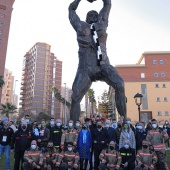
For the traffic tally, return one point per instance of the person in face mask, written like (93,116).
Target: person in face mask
(6,134)
(78,126)
(69,158)
(51,124)
(140,135)
(128,156)
(110,158)
(118,131)
(114,124)
(111,131)
(145,158)
(33,159)
(128,121)
(44,136)
(51,156)
(157,138)
(21,140)
(27,120)
(127,134)
(56,133)
(69,135)
(84,145)
(100,138)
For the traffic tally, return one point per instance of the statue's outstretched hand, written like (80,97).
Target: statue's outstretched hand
(91,1)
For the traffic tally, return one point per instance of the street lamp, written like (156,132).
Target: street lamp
(138,101)
(65,107)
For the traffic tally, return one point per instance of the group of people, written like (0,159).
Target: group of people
(96,143)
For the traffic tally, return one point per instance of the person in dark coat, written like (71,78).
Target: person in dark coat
(111,131)
(118,131)
(100,138)
(84,145)
(140,135)
(56,133)
(21,141)
(128,156)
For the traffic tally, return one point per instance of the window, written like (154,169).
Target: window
(2,15)
(155,74)
(165,99)
(0,41)
(163,85)
(156,85)
(159,113)
(2,7)
(1,23)
(158,99)
(0,31)
(163,74)
(142,75)
(166,113)
(161,61)
(154,62)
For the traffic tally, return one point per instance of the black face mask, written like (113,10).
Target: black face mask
(145,146)
(111,147)
(83,127)
(119,125)
(99,126)
(24,127)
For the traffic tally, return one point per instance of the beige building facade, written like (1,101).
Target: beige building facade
(7,90)
(151,78)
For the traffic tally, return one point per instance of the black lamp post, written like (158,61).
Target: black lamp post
(138,101)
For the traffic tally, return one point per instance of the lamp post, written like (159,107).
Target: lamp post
(14,92)
(65,106)
(138,101)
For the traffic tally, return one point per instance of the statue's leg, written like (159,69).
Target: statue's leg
(80,86)
(112,77)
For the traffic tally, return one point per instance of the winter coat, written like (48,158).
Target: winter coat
(127,136)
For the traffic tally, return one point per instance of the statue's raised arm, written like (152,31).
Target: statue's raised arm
(104,13)
(73,17)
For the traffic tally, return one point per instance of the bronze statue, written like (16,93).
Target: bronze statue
(94,63)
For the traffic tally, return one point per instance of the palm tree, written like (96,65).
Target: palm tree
(8,108)
(2,82)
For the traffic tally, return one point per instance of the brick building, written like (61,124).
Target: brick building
(5,19)
(151,78)
(41,71)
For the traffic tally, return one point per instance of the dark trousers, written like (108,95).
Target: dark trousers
(131,166)
(91,159)
(96,159)
(18,157)
(83,162)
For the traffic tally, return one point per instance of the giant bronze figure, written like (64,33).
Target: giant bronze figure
(94,63)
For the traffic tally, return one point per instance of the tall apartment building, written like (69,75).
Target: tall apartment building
(5,19)
(7,90)
(151,78)
(41,71)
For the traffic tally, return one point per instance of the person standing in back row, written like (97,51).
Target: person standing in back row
(6,134)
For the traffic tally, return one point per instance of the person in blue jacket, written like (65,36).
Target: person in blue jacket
(84,145)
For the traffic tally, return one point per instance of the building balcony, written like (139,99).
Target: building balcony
(23,83)
(22,88)
(22,98)
(23,93)
(22,103)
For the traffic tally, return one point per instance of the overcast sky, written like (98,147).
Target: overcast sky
(135,26)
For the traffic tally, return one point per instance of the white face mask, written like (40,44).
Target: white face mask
(70,124)
(69,148)
(107,125)
(154,125)
(140,127)
(51,122)
(137,127)
(77,124)
(58,124)
(33,147)
(27,120)
(128,121)
(114,125)
(126,146)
